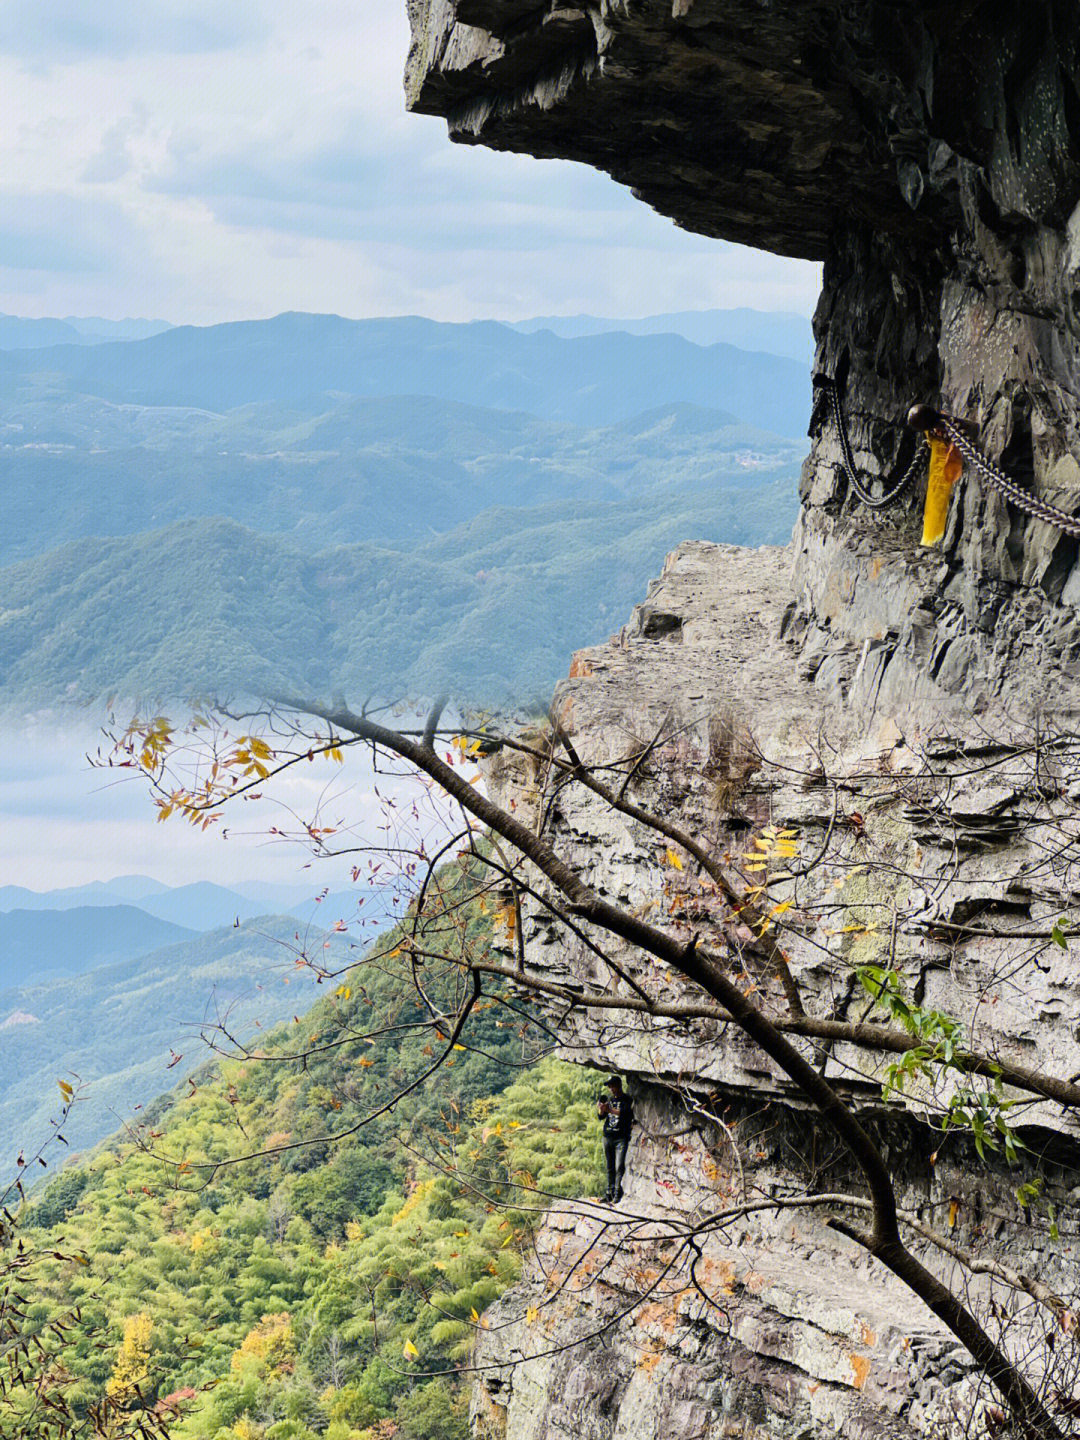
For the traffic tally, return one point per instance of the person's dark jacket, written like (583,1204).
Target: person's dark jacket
(619,1120)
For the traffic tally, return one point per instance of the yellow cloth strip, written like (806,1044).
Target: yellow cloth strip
(946,467)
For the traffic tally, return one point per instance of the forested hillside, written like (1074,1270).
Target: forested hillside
(261,507)
(312,1290)
(491,608)
(126,1031)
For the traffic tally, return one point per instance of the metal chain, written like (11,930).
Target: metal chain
(1021,498)
(875,502)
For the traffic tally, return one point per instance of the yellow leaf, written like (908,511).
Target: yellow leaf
(473,1316)
(410,1351)
(779,909)
(673,859)
(65,1089)
(954,1209)
(343,992)
(532,1314)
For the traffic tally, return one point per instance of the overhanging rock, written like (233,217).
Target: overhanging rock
(929,153)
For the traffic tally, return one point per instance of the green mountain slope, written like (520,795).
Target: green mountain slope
(119,1027)
(493,607)
(289,1298)
(394,469)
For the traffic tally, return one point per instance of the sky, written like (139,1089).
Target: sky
(64,822)
(196,161)
(199,161)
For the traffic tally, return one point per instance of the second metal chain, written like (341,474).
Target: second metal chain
(1021,498)
(875,502)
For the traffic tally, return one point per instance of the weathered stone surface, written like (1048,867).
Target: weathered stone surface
(773,124)
(929,153)
(800,1335)
(810,1338)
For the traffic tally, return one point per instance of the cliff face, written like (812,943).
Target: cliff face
(930,155)
(906,711)
(944,861)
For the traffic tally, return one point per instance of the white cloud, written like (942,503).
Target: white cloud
(64,823)
(64,30)
(264,161)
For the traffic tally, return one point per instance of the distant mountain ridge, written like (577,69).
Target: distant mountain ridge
(124,889)
(295,358)
(18,332)
(201,905)
(778,332)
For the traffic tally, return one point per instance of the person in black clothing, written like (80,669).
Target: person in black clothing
(617,1113)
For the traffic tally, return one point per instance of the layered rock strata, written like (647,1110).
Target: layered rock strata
(950,864)
(908,713)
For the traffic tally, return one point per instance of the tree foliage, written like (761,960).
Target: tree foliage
(236,1278)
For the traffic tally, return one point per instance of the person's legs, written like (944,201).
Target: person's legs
(611,1145)
(620,1167)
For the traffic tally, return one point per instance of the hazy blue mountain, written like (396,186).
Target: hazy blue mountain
(296,359)
(120,1026)
(394,469)
(125,889)
(201,905)
(206,906)
(778,332)
(35,944)
(20,333)
(277,898)
(491,608)
(363,912)
(17,332)
(94,329)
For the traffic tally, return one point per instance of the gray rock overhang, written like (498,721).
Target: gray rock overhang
(770,122)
